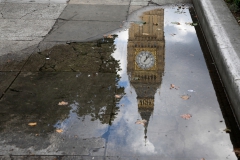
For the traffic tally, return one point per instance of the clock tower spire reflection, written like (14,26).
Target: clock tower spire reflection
(146,51)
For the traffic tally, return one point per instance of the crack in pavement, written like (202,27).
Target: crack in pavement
(29,13)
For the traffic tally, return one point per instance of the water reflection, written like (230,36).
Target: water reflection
(163,49)
(145,56)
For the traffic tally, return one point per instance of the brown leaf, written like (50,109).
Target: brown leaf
(203,159)
(63,103)
(186,116)
(145,34)
(32,124)
(172,86)
(59,130)
(142,122)
(185,97)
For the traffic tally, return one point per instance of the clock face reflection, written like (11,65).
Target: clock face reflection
(145,60)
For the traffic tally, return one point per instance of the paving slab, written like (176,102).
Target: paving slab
(77,22)
(35,1)
(32,11)
(159,2)
(82,57)
(6,79)
(97,2)
(15,54)
(38,94)
(108,13)
(10,29)
(78,31)
(16,46)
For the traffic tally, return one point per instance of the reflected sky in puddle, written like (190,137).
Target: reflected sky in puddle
(167,135)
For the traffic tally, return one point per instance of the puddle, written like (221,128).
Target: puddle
(145,92)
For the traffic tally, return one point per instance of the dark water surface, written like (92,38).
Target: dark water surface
(144,93)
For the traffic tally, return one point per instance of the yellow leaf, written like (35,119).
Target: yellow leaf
(185,97)
(59,130)
(63,103)
(186,116)
(32,124)
(118,96)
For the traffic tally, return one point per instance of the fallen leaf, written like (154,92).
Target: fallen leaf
(177,23)
(32,124)
(59,130)
(203,159)
(185,97)
(172,86)
(63,103)
(108,36)
(238,21)
(227,130)
(118,96)
(186,116)
(142,122)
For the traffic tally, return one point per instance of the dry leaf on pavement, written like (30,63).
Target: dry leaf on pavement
(172,86)
(63,103)
(186,116)
(59,130)
(32,124)
(118,96)
(142,122)
(185,97)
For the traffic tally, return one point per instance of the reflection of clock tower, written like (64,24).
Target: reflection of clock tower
(146,60)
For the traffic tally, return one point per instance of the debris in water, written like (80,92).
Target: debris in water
(191,24)
(185,97)
(173,34)
(177,23)
(59,130)
(186,116)
(63,103)
(227,130)
(191,90)
(108,36)
(32,124)
(142,122)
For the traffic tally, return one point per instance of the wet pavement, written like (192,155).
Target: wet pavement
(141,92)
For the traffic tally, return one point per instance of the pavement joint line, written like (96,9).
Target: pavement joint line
(86,20)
